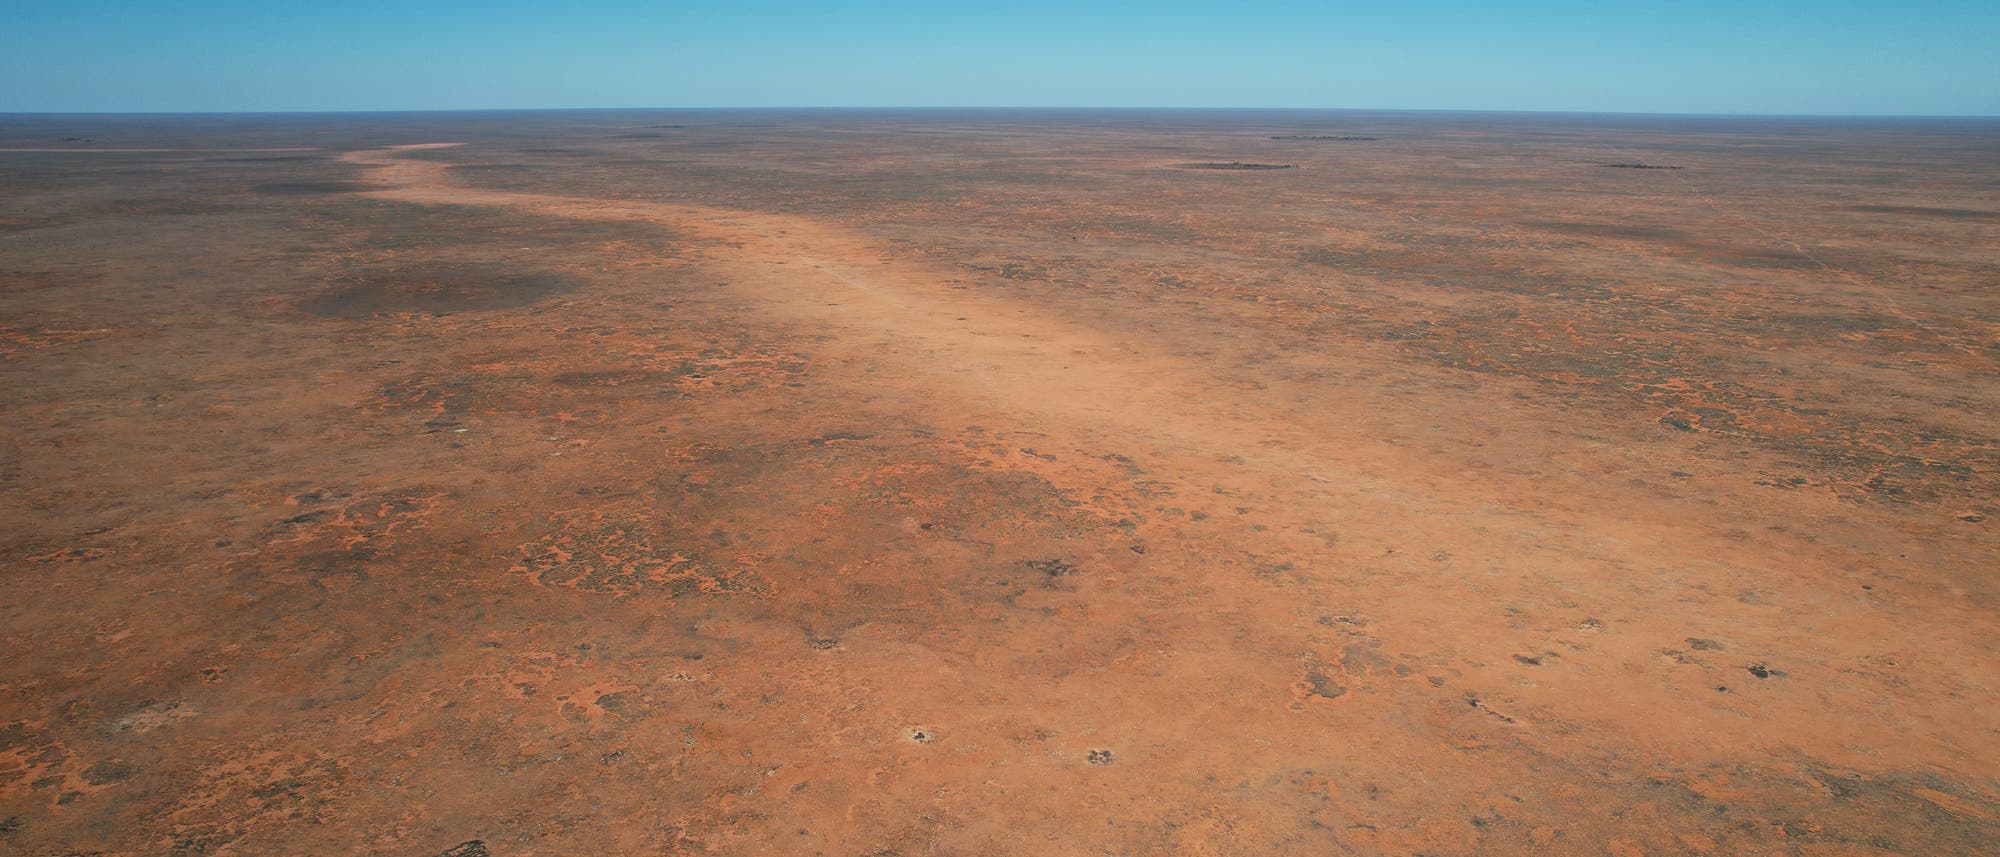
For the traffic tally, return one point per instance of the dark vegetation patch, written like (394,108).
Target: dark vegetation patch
(1609,230)
(436,289)
(609,377)
(1684,245)
(105,773)
(1836,323)
(1232,165)
(1053,568)
(1007,270)
(616,555)
(261,158)
(838,437)
(1927,211)
(1635,165)
(1325,138)
(491,168)
(14,280)
(309,188)
(1589,341)
(1453,270)
(158,206)
(1756,257)
(23,224)
(1761,670)
(404,227)
(450,401)
(1803,809)
(1321,685)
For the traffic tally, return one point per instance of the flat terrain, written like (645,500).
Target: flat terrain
(999,483)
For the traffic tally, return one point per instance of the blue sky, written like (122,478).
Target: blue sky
(1913,57)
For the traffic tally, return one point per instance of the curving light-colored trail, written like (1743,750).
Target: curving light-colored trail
(1471,542)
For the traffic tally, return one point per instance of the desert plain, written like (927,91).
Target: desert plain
(999,482)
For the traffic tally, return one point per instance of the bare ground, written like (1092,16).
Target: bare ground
(801,489)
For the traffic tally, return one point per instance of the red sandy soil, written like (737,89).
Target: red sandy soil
(912,486)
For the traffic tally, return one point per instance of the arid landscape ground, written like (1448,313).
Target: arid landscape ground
(988,483)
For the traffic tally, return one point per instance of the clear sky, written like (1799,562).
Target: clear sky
(1697,56)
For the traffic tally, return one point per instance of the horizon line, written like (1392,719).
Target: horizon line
(998,108)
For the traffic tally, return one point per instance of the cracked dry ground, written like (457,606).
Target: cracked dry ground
(730,483)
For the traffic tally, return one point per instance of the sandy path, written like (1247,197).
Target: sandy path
(1468,544)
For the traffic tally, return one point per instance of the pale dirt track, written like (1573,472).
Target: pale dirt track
(1430,546)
